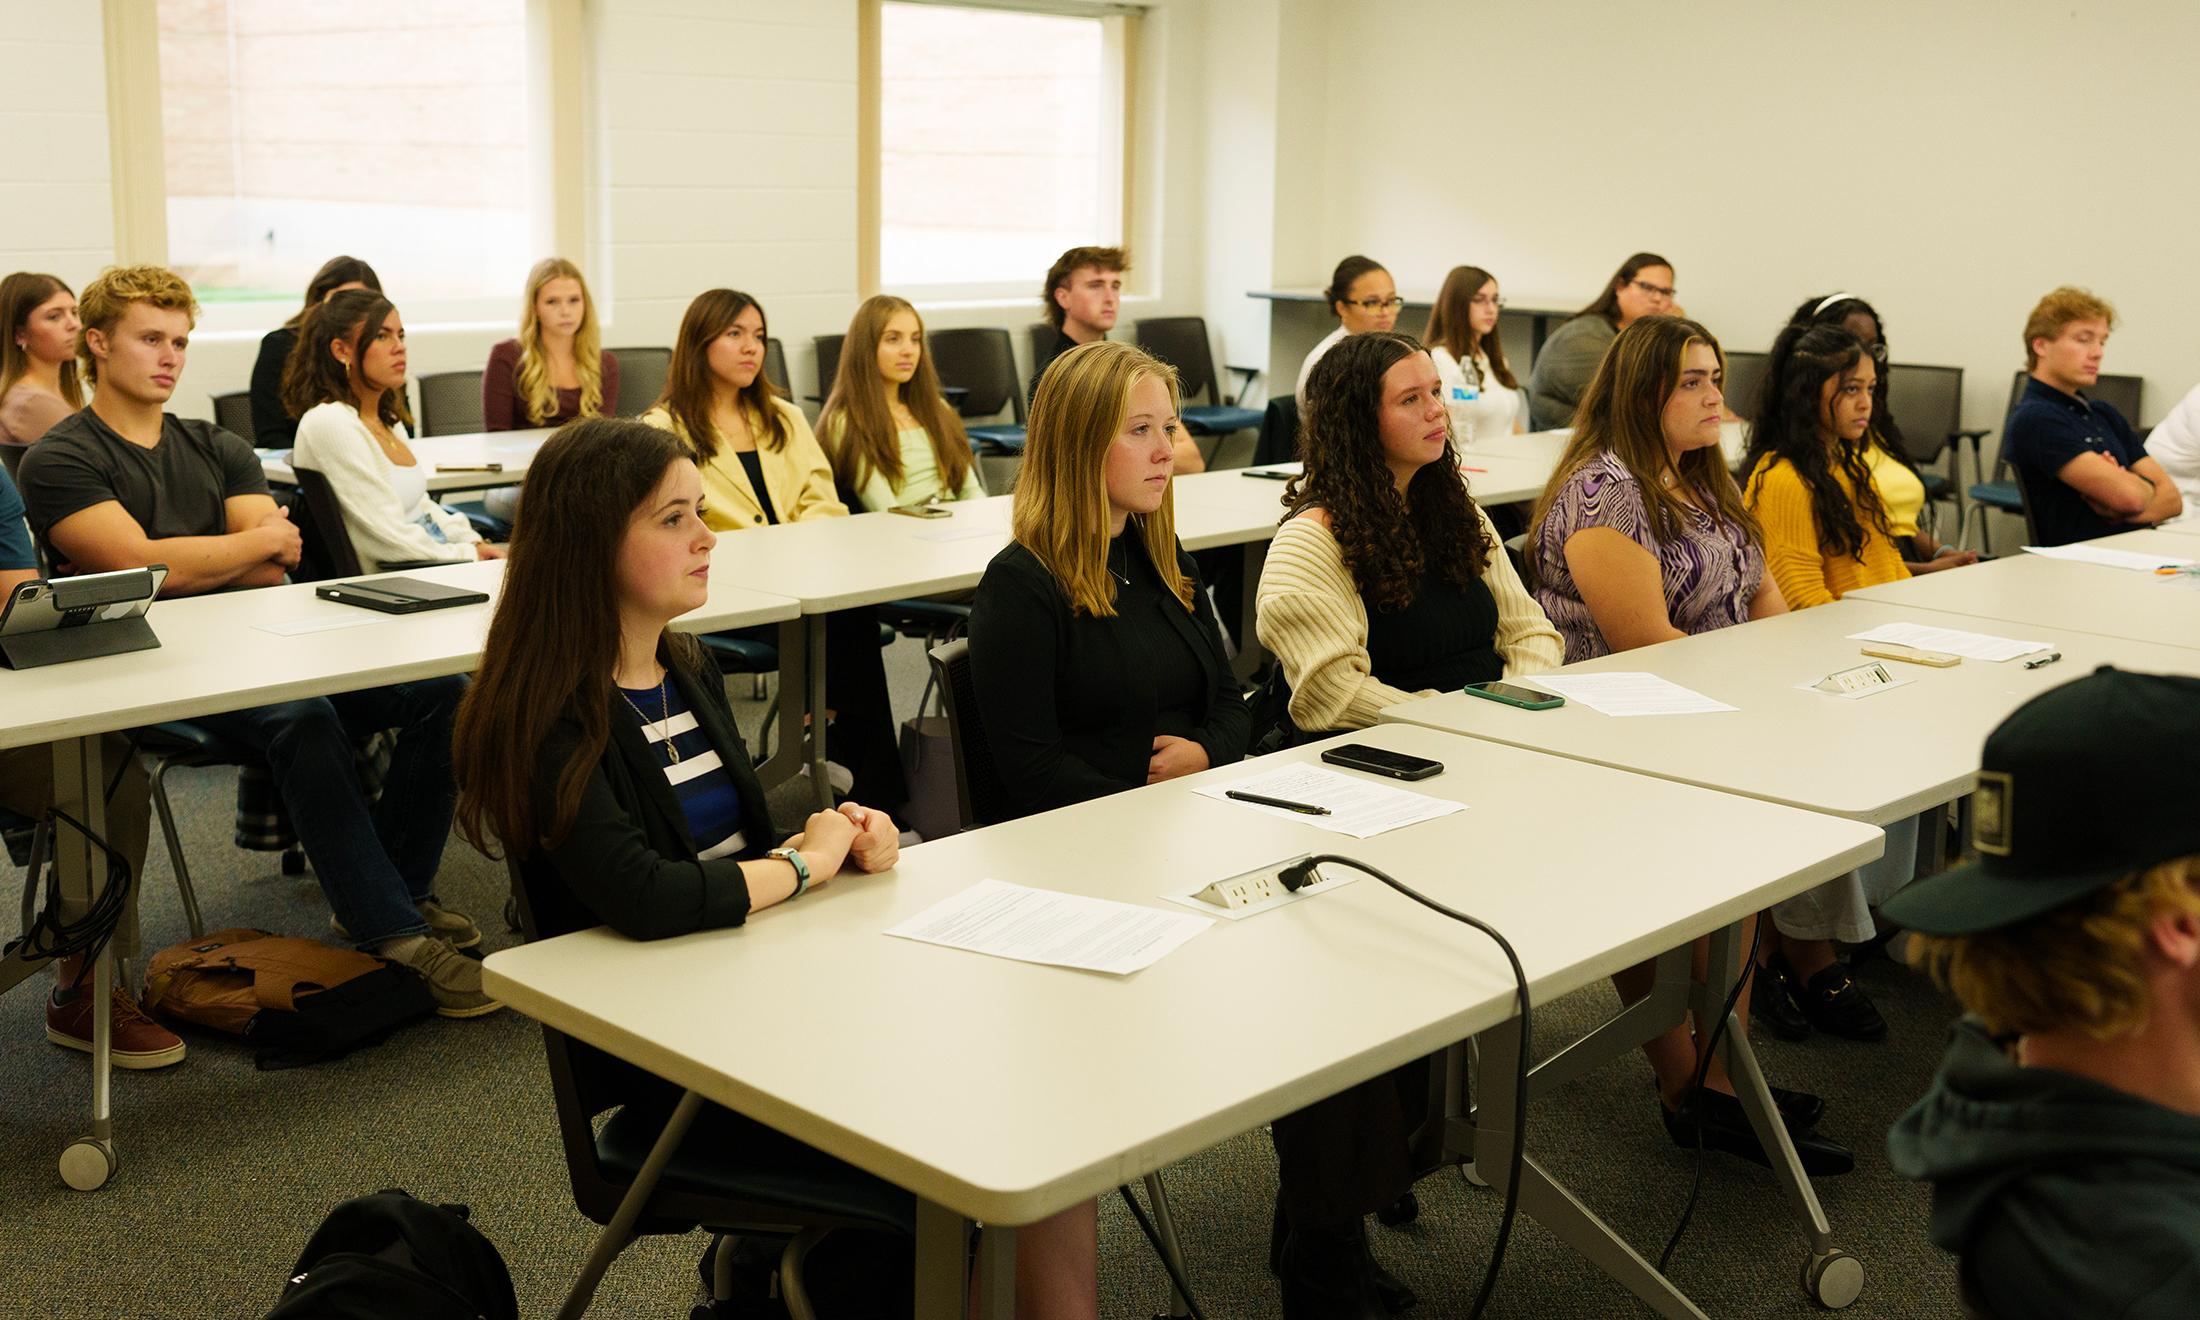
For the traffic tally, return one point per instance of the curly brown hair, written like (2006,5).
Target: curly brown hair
(1388,540)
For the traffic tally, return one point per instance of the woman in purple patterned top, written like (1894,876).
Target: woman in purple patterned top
(1641,535)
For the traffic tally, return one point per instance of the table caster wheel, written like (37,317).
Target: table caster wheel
(87,1163)
(1404,1210)
(1833,1279)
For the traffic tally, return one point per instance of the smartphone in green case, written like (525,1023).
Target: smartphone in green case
(1512,694)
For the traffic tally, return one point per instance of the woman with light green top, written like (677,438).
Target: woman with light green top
(892,437)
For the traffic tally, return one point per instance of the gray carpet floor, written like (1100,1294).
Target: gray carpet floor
(226,1170)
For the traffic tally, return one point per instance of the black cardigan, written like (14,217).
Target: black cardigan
(628,861)
(1068,714)
(272,427)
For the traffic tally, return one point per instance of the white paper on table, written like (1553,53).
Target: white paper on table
(323,622)
(1626,694)
(2093,554)
(1955,641)
(1359,807)
(1043,926)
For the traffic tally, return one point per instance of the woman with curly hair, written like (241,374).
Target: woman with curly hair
(1386,580)
(1810,476)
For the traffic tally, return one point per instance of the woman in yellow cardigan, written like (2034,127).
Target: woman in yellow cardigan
(1827,532)
(1810,483)
(761,465)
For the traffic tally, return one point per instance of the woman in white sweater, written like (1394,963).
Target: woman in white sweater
(1480,391)
(345,383)
(1387,581)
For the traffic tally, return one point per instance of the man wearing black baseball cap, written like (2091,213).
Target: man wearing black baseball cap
(2062,1136)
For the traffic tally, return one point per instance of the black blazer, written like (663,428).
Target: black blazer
(629,861)
(272,427)
(1068,715)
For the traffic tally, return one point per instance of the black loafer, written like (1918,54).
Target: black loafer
(1773,1005)
(1799,1109)
(1725,1128)
(1838,1006)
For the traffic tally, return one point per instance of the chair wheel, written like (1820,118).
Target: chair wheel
(1833,1280)
(294,862)
(87,1163)
(1404,1210)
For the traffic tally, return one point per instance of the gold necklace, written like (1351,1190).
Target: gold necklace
(664,703)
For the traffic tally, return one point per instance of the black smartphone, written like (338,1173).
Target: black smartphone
(1376,761)
(1512,694)
(1266,474)
(921,511)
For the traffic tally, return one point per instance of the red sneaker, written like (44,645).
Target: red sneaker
(136,1040)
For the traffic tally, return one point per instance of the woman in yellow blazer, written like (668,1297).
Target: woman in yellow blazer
(761,465)
(759,460)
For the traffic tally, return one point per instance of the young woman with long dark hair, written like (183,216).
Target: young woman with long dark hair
(1642,286)
(892,437)
(1480,390)
(272,426)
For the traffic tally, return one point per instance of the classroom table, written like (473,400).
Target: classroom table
(867,559)
(1018,1090)
(1493,479)
(454,462)
(2189,525)
(2040,593)
(1299,317)
(1876,759)
(1543,449)
(216,655)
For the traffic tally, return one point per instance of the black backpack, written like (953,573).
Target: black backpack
(390,1256)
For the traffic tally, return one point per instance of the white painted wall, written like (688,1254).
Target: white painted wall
(1950,162)
(722,150)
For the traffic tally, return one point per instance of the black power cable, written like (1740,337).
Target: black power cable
(49,937)
(1299,874)
(1183,1287)
(1695,1089)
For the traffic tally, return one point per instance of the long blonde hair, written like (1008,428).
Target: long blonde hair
(858,423)
(1060,512)
(536,392)
(1622,412)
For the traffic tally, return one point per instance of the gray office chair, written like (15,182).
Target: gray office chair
(978,800)
(1927,406)
(775,367)
(450,403)
(1181,341)
(326,545)
(641,378)
(1745,378)
(827,348)
(982,361)
(233,413)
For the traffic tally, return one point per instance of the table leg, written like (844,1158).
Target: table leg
(1727,950)
(1164,1227)
(79,783)
(943,1263)
(997,1273)
(620,1230)
(813,628)
(796,660)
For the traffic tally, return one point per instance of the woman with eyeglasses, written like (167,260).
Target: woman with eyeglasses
(1480,391)
(1362,297)
(1642,286)
(1895,475)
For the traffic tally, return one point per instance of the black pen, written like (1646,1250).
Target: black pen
(2044,661)
(1303,808)
(1266,474)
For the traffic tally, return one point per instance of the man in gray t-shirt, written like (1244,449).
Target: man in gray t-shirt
(179,487)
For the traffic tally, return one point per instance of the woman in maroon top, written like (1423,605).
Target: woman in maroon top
(556,370)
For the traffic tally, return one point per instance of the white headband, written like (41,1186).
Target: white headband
(1832,300)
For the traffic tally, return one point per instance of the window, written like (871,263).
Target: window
(1000,145)
(398,132)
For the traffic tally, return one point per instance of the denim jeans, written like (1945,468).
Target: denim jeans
(375,862)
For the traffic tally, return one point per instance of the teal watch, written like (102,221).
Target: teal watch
(800,865)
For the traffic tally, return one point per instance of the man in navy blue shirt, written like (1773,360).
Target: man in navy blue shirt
(2085,472)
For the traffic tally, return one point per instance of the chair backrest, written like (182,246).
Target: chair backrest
(233,413)
(641,378)
(1745,375)
(2024,496)
(982,360)
(978,796)
(828,363)
(11,458)
(1181,341)
(325,549)
(1927,403)
(1278,441)
(450,402)
(1040,335)
(775,366)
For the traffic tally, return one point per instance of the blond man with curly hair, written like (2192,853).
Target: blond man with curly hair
(2062,1136)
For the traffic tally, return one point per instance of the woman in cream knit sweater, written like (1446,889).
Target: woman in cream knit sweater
(1388,582)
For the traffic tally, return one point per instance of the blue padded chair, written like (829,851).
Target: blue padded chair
(1181,341)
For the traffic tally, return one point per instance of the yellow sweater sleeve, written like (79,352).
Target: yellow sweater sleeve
(1782,504)
(1310,614)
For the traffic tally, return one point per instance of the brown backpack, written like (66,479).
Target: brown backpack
(299,1001)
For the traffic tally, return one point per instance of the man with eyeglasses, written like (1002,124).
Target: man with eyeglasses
(1642,286)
